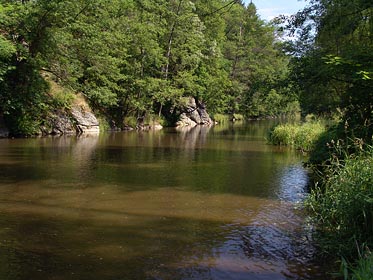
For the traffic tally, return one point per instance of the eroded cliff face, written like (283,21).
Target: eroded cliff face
(84,121)
(193,113)
(69,122)
(79,119)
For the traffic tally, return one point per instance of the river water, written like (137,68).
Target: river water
(204,203)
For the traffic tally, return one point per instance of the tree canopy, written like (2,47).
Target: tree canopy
(334,68)
(139,57)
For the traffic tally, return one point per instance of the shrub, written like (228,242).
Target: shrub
(103,123)
(153,119)
(130,121)
(23,123)
(301,136)
(238,117)
(342,205)
(327,145)
(221,118)
(336,142)
(63,99)
(363,269)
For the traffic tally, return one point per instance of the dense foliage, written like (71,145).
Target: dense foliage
(332,68)
(333,62)
(343,205)
(133,58)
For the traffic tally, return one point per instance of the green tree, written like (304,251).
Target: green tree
(132,58)
(25,37)
(257,62)
(336,70)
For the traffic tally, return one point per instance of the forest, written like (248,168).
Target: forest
(136,59)
(139,59)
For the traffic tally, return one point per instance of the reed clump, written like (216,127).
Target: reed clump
(341,207)
(301,136)
(363,270)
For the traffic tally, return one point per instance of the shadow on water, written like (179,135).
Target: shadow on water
(204,203)
(42,247)
(65,243)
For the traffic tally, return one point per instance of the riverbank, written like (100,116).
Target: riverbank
(341,205)
(341,201)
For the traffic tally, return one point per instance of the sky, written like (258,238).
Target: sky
(268,9)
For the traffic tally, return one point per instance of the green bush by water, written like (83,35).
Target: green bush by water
(342,205)
(363,269)
(222,118)
(301,136)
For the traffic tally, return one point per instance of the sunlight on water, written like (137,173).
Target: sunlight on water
(207,203)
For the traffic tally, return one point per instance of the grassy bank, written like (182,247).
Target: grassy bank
(301,136)
(341,206)
(341,202)
(363,269)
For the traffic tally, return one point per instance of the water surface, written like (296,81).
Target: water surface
(204,203)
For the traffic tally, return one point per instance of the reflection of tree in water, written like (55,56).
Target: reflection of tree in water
(55,158)
(135,207)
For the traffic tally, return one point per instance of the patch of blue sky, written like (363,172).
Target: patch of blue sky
(269,9)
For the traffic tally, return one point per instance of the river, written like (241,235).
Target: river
(205,203)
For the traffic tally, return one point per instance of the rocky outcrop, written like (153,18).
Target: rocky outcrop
(184,120)
(193,113)
(58,123)
(78,120)
(85,121)
(205,118)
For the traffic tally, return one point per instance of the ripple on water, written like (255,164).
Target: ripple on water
(275,244)
(154,206)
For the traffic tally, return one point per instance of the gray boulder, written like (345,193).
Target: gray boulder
(193,113)
(205,118)
(184,120)
(59,123)
(75,121)
(84,121)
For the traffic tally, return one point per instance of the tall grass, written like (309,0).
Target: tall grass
(363,269)
(342,205)
(221,118)
(301,136)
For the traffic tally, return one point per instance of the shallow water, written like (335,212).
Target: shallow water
(204,203)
